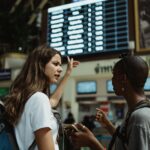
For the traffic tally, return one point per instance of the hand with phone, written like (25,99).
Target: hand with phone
(70,129)
(85,138)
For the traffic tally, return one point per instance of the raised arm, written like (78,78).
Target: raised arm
(103,120)
(55,97)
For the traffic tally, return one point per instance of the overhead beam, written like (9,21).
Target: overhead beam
(15,6)
(38,9)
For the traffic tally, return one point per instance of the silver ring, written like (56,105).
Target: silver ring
(83,127)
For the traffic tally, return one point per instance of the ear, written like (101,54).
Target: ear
(124,79)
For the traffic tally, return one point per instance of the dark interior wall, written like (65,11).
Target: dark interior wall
(131,20)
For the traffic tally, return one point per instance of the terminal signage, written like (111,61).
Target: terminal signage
(5,74)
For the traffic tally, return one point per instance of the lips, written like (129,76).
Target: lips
(57,75)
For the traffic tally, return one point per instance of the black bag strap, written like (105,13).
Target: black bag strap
(141,104)
(32,146)
(113,138)
(11,135)
(60,136)
(122,135)
(58,117)
(6,126)
(10,130)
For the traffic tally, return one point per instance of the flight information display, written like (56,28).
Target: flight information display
(89,27)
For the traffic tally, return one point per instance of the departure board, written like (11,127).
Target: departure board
(89,27)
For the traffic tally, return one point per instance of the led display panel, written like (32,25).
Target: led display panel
(147,84)
(109,86)
(89,27)
(86,87)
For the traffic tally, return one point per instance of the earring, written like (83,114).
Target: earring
(122,89)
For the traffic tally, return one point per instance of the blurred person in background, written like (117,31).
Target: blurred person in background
(70,119)
(88,121)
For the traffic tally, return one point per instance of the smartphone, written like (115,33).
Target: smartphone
(75,128)
(71,128)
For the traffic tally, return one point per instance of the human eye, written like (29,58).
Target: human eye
(57,64)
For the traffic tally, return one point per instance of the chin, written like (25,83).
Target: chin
(54,81)
(118,93)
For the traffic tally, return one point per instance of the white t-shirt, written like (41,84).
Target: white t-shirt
(37,114)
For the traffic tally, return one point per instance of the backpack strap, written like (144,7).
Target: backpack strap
(32,146)
(141,104)
(13,140)
(113,138)
(122,135)
(58,118)
(61,135)
(10,129)
(2,108)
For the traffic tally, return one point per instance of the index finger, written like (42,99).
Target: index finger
(68,58)
(99,110)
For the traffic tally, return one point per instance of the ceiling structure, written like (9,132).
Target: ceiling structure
(18,21)
(32,6)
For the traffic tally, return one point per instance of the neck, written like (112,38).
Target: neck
(133,100)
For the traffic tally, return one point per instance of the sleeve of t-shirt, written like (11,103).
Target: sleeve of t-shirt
(139,139)
(138,130)
(41,113)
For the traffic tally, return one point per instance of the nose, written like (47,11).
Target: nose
(113,80)
(60,69)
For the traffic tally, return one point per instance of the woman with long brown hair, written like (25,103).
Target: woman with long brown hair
(29,104)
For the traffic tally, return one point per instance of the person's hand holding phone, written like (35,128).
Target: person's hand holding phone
(70,129)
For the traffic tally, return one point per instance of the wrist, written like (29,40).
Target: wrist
(94,144)
(110,128)
(108,124)
(67,74)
